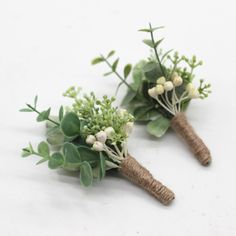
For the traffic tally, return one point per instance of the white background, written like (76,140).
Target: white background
(46,46)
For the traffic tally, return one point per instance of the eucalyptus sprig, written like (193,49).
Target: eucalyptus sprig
(162,85)
(91,137)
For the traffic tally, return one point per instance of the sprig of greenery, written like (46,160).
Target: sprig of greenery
(42,115)
(91,137)
(157,102)
(113,66)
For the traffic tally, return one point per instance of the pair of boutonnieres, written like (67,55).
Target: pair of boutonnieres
(91,135)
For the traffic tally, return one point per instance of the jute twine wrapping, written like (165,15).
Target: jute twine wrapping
(141,176)
(181,126)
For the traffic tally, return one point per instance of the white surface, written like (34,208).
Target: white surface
(46,46)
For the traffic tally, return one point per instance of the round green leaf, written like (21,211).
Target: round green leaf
(159,126)
(87,154)
(86,174)
(71,153)
(70,124)
(56,160)
(43,149)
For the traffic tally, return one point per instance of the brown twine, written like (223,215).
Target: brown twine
(181,126)
(141,176)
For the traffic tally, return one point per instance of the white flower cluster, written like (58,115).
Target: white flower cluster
(163,85)
(99,139)
(162,88)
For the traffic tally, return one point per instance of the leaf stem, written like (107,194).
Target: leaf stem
(49,119)
(155,50)
(117,74)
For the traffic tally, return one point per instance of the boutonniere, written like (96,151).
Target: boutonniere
(91,137)
(161,89)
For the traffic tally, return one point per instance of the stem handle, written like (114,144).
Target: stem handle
(181,126)
(142,177)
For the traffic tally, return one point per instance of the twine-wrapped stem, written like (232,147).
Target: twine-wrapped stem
(181,126)
(141,176)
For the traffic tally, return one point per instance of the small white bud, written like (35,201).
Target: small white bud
(194,93)
(161,80)
(98,146)
(129,128)
(189,87)
(109,131)
(101,136)
(177,80)
(152,92)
(160,89)
(90,139)
(168,86)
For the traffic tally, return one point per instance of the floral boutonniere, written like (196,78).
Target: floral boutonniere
(161,90)
(91,137)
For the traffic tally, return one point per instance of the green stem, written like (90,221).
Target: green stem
(155,50)
(117,74)
(34,109)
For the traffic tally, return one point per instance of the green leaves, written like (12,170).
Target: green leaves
(43,149)
(86,174)
(151,43)
(128,98)
(115,64)
(152,71)
(97,60)
(55,136)
(159,126)
(44,115)
(61,113)
(70,124)
(150,29)
(127,70)
(56,160)
(111,53)
(72,156)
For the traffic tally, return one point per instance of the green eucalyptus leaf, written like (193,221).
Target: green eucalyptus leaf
(55,136)
(145,30)
(159,126)
(26,152)
(56,160)
(97,60)
(145,113)
(44,115)
(35,101)
(87,154)
(41,161)
(127,70)
(43,149)
(72,156)
(61,113)
(70,124)
(86,174)
(128,97)
(111,53)
(152,71)
(115,64)
(102,166)
(149,43)
(26,110)
(137,74)
(108,73)
(158,42)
